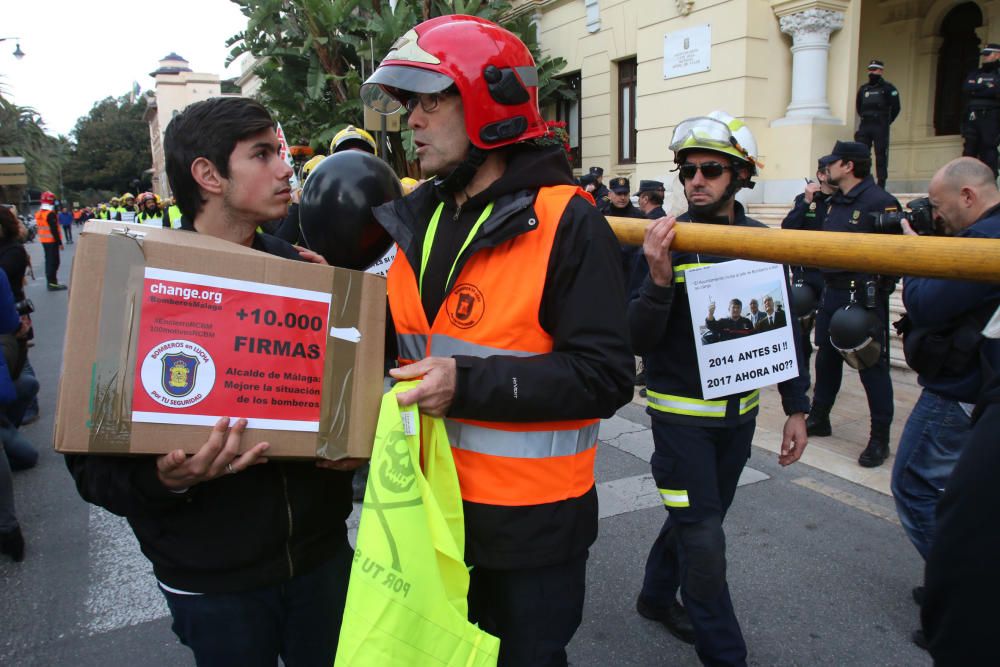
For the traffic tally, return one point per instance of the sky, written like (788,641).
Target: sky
(78,53)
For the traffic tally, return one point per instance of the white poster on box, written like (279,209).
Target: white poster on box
(742,327)
(687,51)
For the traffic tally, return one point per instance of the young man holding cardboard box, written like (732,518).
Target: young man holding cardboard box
(251,554)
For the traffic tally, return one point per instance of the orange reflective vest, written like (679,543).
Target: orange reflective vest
(492,309)
(42,227)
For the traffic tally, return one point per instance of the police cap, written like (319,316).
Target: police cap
(586,179)
(650,186)
(992,47)
(620,186)
(848,150)
(596,171)
(825,161)
(876,64)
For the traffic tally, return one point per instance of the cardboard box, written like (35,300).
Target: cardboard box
(168,330)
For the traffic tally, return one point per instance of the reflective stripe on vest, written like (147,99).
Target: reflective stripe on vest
(42,227)
(681,270)
(696,407)
(413,346)
(488,312)
(174,213)
(527,444)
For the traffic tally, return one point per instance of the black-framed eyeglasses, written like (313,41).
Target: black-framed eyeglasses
(710,170)
(429,102)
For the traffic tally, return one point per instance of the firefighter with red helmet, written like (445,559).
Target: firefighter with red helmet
(507,298)
(47,223)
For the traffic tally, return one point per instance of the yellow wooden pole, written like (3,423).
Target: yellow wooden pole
(887,254)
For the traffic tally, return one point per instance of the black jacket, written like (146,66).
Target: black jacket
(587,375)
(982,86)
(962,578)
(235,533)
(660,323)
(878,101)
(14,262)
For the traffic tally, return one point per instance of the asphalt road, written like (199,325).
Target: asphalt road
(819,572)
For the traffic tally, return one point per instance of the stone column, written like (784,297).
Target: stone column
(810,30)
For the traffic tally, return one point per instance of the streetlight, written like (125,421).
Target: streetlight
(18,53)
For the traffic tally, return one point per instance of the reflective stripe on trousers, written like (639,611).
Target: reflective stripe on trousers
(520,444)
(694,407)
(674,497)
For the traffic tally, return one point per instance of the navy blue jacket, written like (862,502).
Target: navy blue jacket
(934,302)
(851,212)
(983,87)
(660,323)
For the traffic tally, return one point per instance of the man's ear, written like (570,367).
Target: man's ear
(206,175)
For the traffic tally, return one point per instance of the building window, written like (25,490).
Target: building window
(959,54)
(569,111)
(626,111)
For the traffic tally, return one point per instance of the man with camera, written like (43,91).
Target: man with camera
(942,340)
(851,209)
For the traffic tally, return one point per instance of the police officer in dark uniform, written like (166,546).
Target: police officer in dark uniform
(600,191)
(981,121)
(808,213)
(650,196)
(856,198)
(877,105)
(619,204)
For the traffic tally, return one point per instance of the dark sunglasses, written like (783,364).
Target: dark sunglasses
(710,170)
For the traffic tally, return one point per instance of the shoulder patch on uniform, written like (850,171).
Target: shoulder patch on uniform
(854,216)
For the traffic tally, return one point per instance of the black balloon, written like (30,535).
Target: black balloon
(335,213)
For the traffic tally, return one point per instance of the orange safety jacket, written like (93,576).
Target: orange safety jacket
(42,227)
(492,309)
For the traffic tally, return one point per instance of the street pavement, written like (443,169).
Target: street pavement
(819,570)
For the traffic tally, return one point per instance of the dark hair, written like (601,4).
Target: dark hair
(9,226)
(655,197)
(861,167)
(737,302)
(209,129)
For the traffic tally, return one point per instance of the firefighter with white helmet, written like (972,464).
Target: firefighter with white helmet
(700,446)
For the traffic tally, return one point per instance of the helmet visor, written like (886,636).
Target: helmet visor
(387,90)
(703,132)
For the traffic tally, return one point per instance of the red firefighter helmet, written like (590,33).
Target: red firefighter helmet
(491,68)
(48,197)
